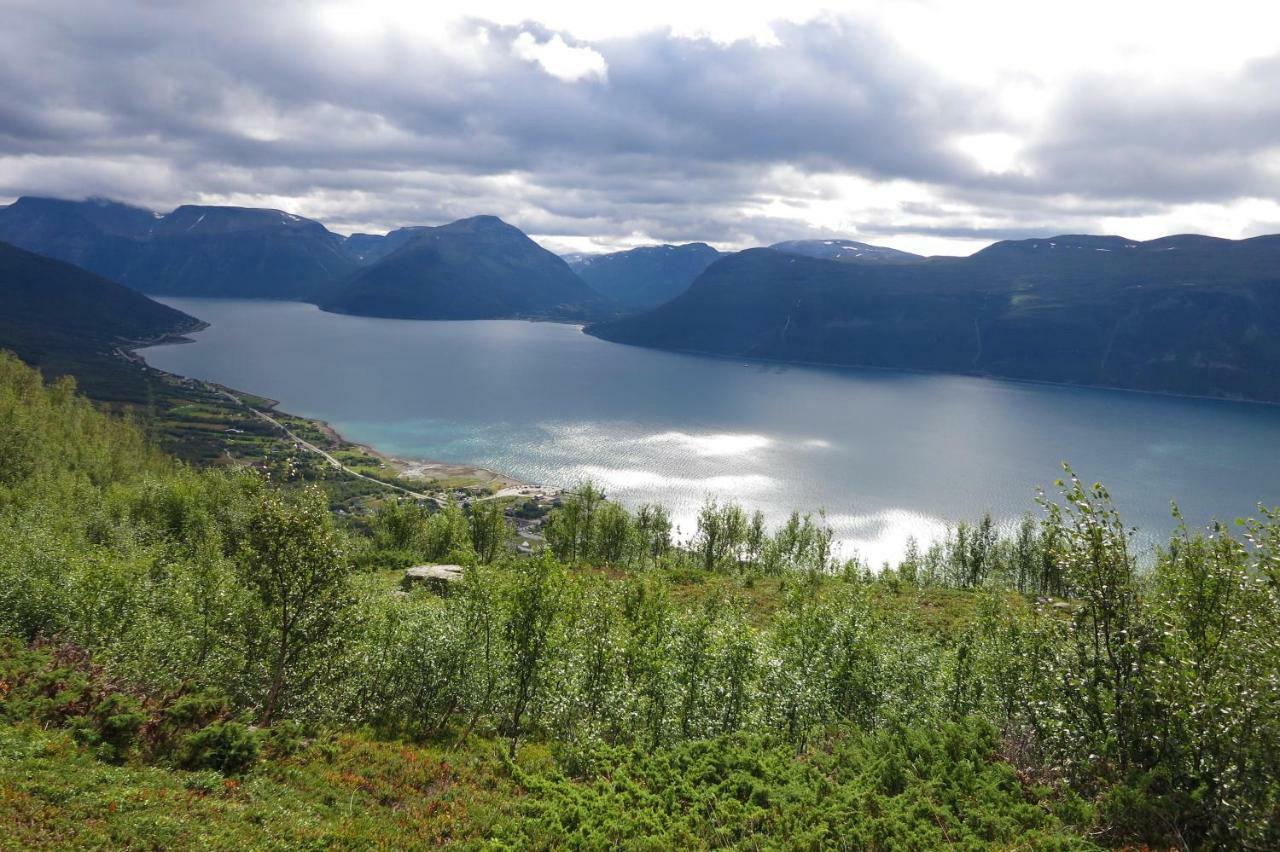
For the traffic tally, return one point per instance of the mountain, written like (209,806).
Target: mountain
(238,252)
(98,235)
(367,248)
(193,251)
(37,292)
(846,251)
(477,268)
(64,319)
(644,277)
(1185,314)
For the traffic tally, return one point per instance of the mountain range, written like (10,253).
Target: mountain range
(193,251)
(1185,314)
(473,268)
(644,277)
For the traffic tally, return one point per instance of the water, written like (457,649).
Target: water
(886,454)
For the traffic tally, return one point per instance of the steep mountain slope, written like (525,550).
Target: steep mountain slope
(846,251)
(193,251)
(1184,314)
(37,292)
(64,319)
(98,235)
(478,268)
(644,277)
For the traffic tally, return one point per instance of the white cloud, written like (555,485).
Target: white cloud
(560,59)
(994,153)
(927,125)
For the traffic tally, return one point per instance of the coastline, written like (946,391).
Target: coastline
(418,471)
(835,365)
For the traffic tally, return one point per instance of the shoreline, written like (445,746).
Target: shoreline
(832,365)
(414,470)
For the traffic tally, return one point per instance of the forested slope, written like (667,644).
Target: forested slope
(69,321)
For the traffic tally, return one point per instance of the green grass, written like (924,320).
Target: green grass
(909,789)
(942,612)
(345,792)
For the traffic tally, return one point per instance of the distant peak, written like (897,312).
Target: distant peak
(94,201)
(483,223)
(484,219)
(847,251)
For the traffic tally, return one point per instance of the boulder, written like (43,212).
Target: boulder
(437,578)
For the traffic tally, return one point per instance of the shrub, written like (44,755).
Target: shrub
(228,747)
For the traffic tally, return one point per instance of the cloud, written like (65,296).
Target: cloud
(559,59)
(373,116)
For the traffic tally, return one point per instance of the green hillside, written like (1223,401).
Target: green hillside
(69,321)
(213,659)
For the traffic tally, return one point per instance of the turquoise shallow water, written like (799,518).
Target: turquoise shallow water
(885,454)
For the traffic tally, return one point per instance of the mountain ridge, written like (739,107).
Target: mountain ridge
(194,250)
(1170,315)
(475,268)
(846,251)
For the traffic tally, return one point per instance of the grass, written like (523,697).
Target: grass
(941,612)
(344,792)
(909,789)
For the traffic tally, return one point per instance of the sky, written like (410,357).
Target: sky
(935,127)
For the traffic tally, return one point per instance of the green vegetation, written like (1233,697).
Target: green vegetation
(211,657)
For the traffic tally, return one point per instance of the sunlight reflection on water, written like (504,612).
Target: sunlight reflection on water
(888,455)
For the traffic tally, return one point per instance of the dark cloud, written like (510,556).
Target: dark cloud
(163,103)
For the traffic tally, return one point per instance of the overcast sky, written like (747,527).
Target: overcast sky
(929,126)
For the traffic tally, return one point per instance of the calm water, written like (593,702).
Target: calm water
(885,454)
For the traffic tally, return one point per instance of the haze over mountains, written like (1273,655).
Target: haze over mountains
(1185,314)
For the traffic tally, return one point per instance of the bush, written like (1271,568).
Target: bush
(913,788)
(112,728)
(228,747)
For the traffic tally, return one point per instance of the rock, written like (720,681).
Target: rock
(436,577)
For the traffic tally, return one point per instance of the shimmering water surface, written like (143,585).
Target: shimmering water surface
(886,454)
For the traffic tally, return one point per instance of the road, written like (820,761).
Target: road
(307,445)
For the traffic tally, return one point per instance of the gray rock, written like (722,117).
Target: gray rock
(437,578)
